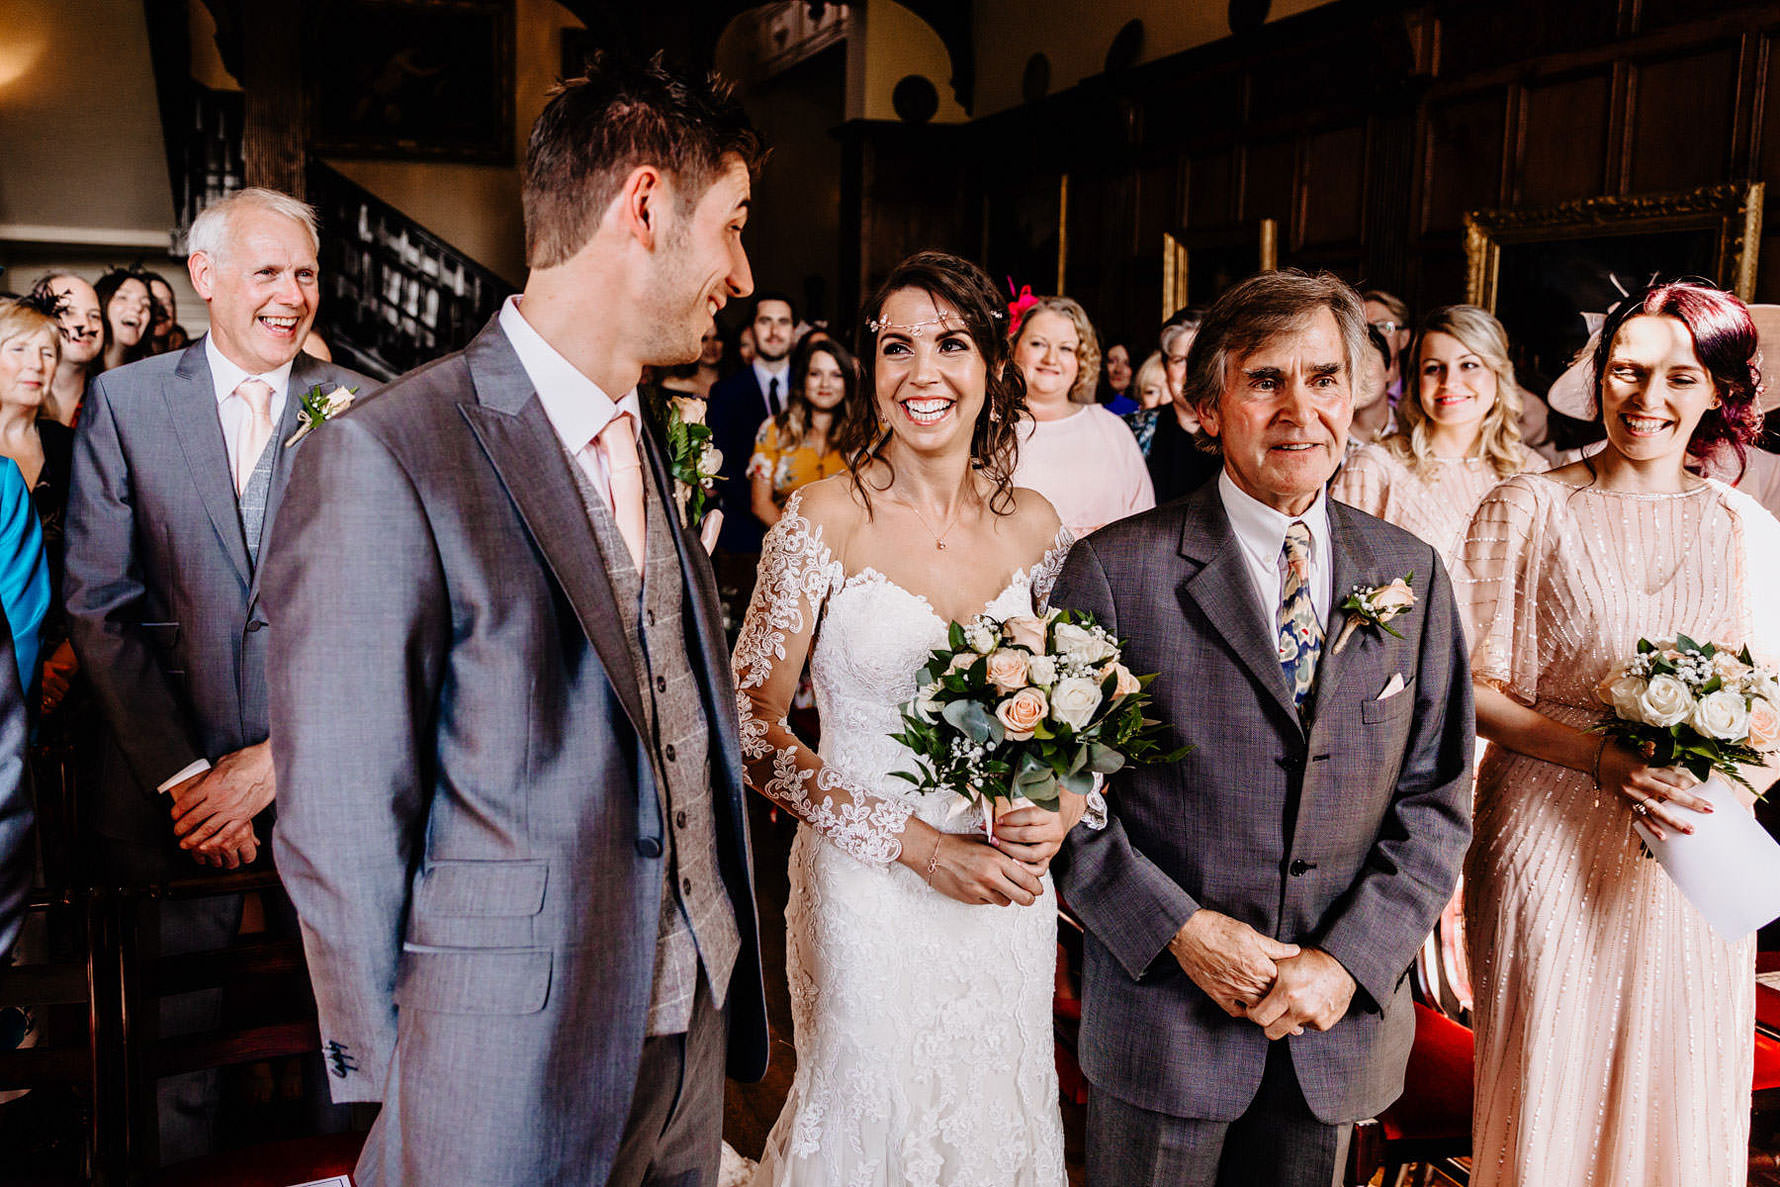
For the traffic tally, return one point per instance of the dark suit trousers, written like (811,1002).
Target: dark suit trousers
(674,1134)
(1277,1143)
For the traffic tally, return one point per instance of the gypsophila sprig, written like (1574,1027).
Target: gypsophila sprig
(1703,707)
(1027,707)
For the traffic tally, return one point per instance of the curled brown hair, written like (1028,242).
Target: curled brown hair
(620,115)
(957,282)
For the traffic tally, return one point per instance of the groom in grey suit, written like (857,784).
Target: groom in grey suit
(180,466)
(1252,910)
(513,824)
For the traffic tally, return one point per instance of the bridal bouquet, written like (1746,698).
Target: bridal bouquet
(1700,706)
(1025,707)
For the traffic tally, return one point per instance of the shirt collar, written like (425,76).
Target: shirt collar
(578,408)
(765,373)
(1261,529)
(227,376)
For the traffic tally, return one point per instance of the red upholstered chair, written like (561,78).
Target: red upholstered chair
(1431,1122)
(274,1164)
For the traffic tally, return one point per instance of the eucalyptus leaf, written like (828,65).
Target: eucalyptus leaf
(1080,782)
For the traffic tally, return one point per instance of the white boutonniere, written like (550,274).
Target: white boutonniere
(318,409)
(693,457)
(1375,605)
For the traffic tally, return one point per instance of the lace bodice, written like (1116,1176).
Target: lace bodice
(866,638)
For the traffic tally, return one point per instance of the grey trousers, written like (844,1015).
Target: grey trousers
(1278,1143)
(674,1134)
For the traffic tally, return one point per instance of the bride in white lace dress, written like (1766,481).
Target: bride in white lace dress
(920,958)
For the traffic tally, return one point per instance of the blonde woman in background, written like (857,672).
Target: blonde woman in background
(1150,389)
(1073,451)
(1457,433)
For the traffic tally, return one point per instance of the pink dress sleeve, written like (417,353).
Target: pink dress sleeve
(1496,581)
(1363,483)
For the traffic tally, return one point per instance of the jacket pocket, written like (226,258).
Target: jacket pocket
(481,889)
(473,981)
(1391,708)
(163,639)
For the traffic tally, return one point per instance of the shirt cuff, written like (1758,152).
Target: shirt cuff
(197,768)
(1095,816)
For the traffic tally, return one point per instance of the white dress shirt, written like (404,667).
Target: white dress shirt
(578,410)
(231,409)
(764,374)
(1261,532)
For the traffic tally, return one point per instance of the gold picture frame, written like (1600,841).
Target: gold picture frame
(1222,252)
(1730,211)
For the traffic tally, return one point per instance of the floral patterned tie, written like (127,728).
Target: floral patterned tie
(1300,634)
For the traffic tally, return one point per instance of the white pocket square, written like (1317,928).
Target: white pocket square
(1393,688)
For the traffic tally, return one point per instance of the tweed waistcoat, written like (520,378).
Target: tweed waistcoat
(254,495)
(697,919)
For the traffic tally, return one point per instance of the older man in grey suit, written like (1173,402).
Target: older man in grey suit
(513,823)
(180,465)
(1253,909)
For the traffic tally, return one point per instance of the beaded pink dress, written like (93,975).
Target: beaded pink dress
(1614,1026)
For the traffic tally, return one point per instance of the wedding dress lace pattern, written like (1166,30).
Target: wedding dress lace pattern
(922,1025)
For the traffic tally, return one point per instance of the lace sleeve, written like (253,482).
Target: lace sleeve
(1044,573)
(797,574)
(1496,582)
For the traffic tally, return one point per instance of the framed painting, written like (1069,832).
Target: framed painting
(420,79)
(1540,269)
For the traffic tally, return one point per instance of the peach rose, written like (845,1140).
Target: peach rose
(1393,599)
(1006,669)
(691,410)
(1764,724)
(1127,682)
(1020,714)
(961,661)
(1023,630)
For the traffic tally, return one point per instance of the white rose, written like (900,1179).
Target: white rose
(1622,693)
(1074,700)
(1043,670)
(926,708)
(1723,715)
(691,410)
(711,462)
(1078,644)
(980,638)
(1665,702)
(338,401)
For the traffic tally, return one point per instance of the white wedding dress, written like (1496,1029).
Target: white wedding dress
(923,1025)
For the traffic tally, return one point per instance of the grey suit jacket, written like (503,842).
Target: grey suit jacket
(467,814)
(1345,834)
(163,605)
(17,858)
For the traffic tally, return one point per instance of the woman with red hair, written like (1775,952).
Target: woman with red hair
(1614,1026)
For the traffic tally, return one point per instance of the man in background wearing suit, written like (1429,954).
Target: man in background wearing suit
(1252,910)
(513,823)
(180,463)
(739,405)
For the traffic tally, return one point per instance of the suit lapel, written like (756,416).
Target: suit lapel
(305,373)
(1222,591)
(1352,563)
(191,406)
(527,456)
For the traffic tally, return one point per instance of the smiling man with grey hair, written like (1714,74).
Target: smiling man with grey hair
(1252,910)
(180,462)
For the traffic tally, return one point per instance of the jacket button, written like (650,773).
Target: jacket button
(668,752)
(1300,867)
(648,846)
(680,819)
(649,618)
(255,625)
(661,684)
(686,886)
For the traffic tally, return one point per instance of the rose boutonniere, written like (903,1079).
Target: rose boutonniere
(1375,605)
(693,457)
(318,409)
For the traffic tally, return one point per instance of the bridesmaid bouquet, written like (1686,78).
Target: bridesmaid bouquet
(1699,706)
(1025,707)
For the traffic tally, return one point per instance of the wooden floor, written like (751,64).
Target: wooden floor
(750,1109)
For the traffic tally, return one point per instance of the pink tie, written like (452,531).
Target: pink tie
(255,431)
(624,481)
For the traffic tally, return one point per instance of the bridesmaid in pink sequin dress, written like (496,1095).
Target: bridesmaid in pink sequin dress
(1614,1026)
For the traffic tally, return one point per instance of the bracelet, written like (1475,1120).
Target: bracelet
(1599,751)
(933,858)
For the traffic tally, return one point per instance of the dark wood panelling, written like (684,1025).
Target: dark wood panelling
(1334,186)
(1767,162)
(1462,158)
(1480,36)
(1270,183)
(1211,190)
(1683,116)
(1562,139)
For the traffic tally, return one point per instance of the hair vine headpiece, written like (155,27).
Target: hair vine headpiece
(878,325)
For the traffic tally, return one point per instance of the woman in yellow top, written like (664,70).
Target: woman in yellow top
(798,446)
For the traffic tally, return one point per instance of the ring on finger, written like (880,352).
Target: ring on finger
(1642,807)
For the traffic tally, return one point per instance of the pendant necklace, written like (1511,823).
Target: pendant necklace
(939,537)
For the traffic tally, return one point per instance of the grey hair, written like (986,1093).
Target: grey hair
(1258,310)
(1171,334)
(210,230)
